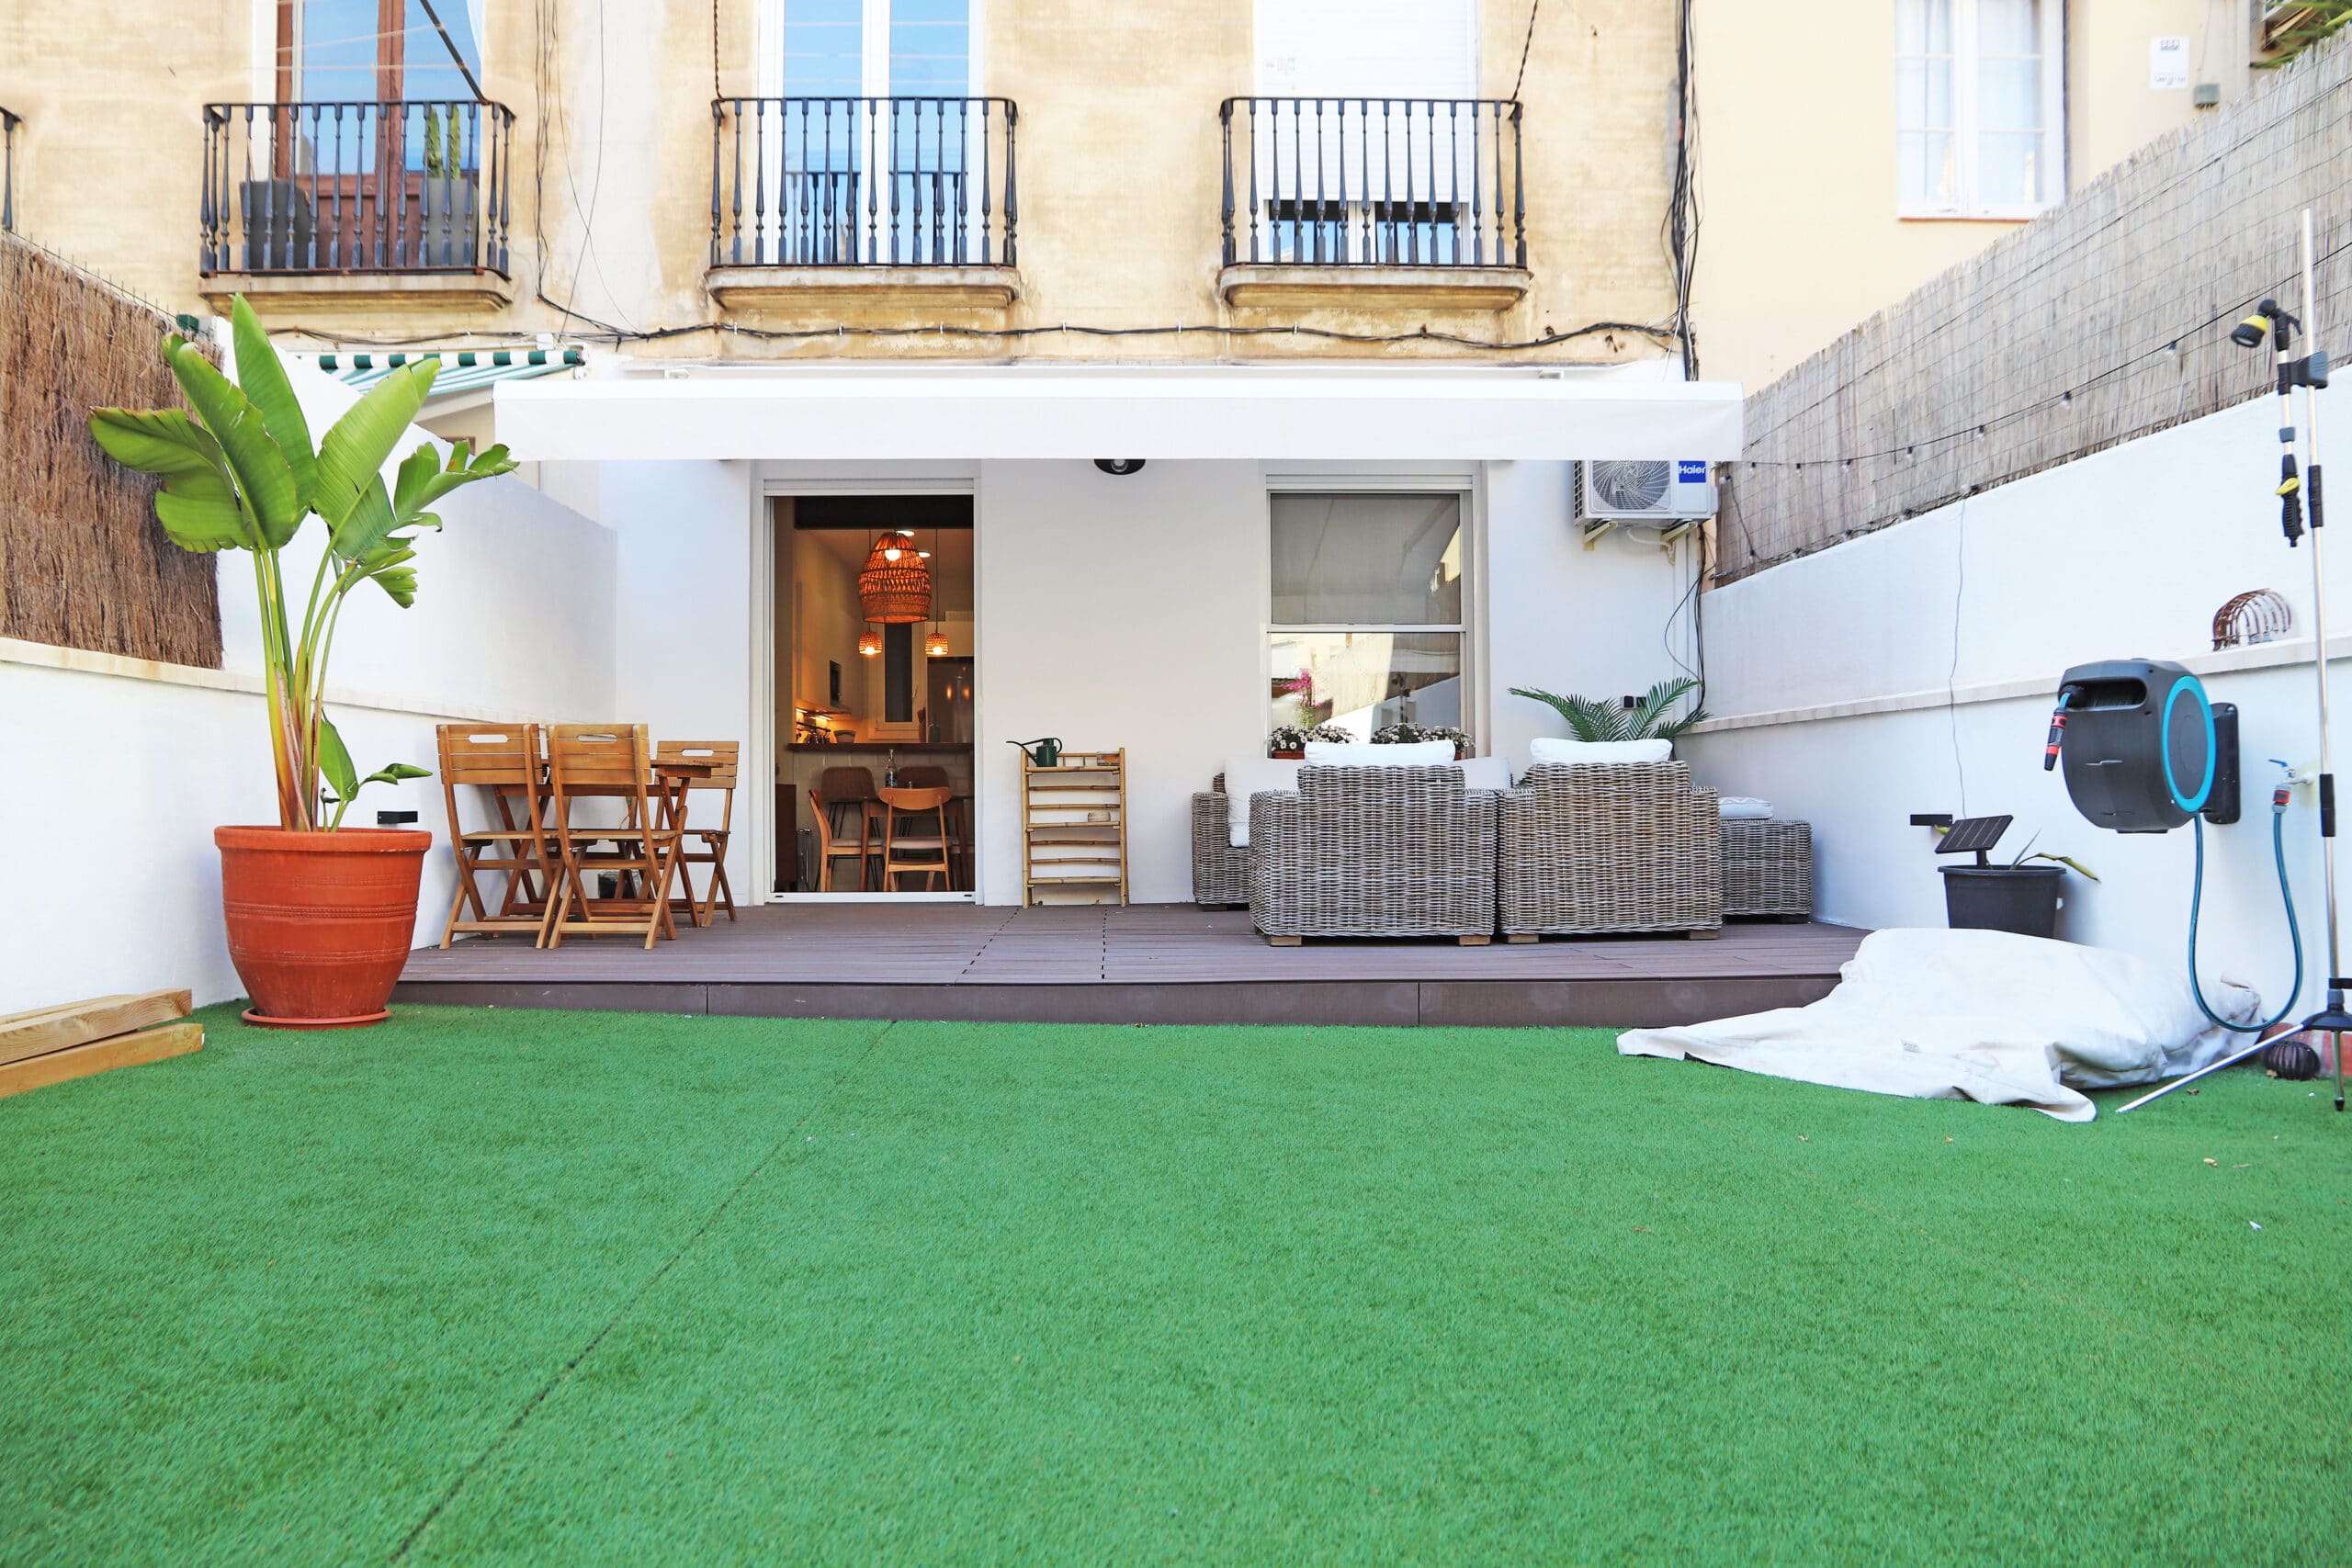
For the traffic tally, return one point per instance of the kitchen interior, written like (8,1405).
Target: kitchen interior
(874,686)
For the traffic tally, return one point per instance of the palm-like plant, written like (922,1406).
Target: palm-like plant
(240,473)
(1645,720)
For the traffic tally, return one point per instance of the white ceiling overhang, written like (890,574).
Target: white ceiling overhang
(1020,411)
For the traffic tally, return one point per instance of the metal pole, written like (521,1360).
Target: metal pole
(2314,503)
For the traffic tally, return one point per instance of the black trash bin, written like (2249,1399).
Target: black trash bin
(2020,898)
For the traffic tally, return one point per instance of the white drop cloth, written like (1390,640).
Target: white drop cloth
(1978,1015)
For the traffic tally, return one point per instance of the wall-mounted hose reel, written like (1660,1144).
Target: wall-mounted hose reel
(2143,747)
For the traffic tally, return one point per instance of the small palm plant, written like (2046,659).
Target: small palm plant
(1646,720)
(240,473)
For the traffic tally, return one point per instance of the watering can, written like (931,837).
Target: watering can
(1044,753)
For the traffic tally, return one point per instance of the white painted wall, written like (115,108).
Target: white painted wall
(683,642)
(1598,623)
(2124,553)
(1125,610)
(513,620)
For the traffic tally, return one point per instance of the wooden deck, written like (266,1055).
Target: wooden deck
(1142,963)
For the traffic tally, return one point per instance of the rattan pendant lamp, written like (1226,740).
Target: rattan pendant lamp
(894,588)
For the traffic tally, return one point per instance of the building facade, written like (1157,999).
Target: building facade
(1851,150)
(710,180)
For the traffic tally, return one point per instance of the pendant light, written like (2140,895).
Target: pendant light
(894,587)
(936,645)
(870,642)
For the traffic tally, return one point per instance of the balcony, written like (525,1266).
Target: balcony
(817,203)
(1371,202)
(358,203)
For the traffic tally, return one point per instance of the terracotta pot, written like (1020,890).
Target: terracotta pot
(1286,756)
(320,923)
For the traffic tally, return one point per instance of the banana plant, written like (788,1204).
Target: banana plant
(240,472)
(1645,720)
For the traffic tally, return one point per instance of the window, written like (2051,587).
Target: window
(875,49)
(1979,108)
(1367,611)
(372,51)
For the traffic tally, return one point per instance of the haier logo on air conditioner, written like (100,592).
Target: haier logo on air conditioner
(1644,492)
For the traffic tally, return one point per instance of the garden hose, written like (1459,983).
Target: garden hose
(2286,897)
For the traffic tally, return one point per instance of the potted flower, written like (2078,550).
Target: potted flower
(319,916)
(1647,718)
(1289,741)
(1414,734)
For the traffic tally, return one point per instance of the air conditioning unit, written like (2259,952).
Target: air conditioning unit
(1667,499)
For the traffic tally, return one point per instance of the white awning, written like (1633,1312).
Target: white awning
(1034,412)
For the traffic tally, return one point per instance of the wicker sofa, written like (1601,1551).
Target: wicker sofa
(1220,870)
(1373,852)
(1625,847)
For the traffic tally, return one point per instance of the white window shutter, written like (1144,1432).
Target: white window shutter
(1379,48)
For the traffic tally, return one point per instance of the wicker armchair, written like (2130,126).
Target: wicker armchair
(1374,851)
(1621,847)
(1220,871)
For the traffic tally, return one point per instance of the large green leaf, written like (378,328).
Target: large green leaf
(203,523)
(263,474)
(199,506)
(367,524)
(354,452)
(423,479)
(262,376)
(334,761)
(161,441)
(388,570)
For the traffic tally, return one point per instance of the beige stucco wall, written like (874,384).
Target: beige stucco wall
(1800,238)
(1120,177)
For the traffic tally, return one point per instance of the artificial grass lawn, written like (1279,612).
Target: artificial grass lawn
(545,1287)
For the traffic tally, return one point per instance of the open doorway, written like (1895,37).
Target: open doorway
(875,687)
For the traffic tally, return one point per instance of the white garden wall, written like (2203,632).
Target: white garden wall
(1831,676)
(118,770)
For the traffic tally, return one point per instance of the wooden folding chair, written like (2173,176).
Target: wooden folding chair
(922,850)
(721,756)
(829,850)
(608,761)
(503,760)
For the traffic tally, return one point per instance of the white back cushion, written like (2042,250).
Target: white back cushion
(1549,748)
(1362,754)
(1485,772)
(1245,776)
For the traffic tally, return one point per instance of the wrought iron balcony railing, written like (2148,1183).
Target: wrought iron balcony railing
(393,186)
(1373,182)
(9,123)
(863,182)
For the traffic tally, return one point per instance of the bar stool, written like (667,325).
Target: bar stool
(850,792)
(927,776)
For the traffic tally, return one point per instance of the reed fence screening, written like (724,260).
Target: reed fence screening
(2104,320)
(83,561)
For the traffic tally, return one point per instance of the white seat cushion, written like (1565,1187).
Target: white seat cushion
(1245,776)
(1550,748)
(1741,808)
(1364,754)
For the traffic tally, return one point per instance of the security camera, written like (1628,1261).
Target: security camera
(1119,464)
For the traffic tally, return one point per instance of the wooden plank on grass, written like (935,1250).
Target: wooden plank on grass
(45,1030)
(81,1061)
